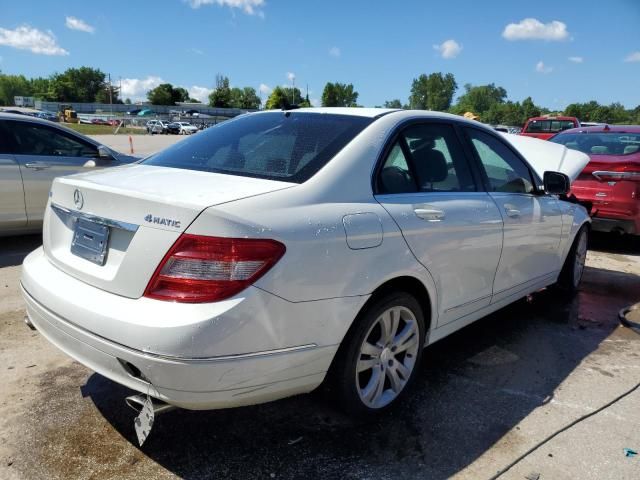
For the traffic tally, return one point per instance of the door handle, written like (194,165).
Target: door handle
(37,165)
(511,210)
(428,213)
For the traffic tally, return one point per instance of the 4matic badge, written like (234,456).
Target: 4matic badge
(169,222)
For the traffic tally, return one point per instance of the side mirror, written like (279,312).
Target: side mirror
(556,183)
(104,153)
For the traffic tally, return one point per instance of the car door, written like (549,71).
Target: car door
(426,184)
(532,220)
(44,153)
(12,209)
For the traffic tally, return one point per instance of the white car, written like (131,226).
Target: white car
(286,249)
(186,128)
(157,126)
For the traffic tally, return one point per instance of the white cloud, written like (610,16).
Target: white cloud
(576,59)
(196,51)
(315,102)
(335,52)
(534,29)
(200,93)
(264,89)
(250,7)
(291,76)
(542,68)
(74,23)
(448,49)
(633,57)
(136,88)
(32,39)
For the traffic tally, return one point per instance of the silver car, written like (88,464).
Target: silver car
(32,153)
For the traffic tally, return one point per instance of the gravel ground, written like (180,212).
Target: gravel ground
(143,145)
(485,395)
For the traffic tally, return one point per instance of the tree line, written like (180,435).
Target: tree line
(434,91)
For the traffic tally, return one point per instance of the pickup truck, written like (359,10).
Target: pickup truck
(546,127)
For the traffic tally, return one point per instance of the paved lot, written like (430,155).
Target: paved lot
(486,394)
(143,145)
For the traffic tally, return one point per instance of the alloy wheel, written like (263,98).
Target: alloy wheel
(387,357)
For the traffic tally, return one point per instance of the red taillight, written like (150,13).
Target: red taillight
(201,269)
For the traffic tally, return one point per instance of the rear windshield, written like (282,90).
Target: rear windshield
(549,126)
(601,143)
(286,146)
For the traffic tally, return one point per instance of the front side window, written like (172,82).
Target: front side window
(286,146)
(34,139)
(504,170)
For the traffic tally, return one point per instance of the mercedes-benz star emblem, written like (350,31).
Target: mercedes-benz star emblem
(78,199)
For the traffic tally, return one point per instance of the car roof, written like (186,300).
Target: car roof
(378,112)
(604,129)
(552,117)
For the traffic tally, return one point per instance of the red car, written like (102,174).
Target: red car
(546,127)
(610,182)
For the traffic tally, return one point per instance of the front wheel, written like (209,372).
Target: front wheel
(573,267)
(380,355)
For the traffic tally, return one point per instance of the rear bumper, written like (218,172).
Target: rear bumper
(631,227)
(220,382)
(249,349)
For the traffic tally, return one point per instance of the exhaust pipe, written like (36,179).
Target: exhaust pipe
(158,406)
(27,321)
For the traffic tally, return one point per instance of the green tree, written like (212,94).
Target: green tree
(395,103)
(161,95)
(529,110)
(283,97)
(103,95)
(479,99)
(245,98)
(127,101)
(77,85)
(433,92)
(221,95)
(11,86)
(339,95)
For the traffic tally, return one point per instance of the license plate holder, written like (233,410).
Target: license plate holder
(90,240)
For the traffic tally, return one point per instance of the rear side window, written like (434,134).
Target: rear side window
(601,143)
(286,146)
(427,158)
(548,126)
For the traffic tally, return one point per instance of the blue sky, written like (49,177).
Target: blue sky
(567,51)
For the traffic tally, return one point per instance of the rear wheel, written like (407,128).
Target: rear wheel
(379,357)
(573,268)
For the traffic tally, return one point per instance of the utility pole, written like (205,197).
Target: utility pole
(110,96)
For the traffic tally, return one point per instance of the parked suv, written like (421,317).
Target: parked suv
(610,183)
(546,127)
(32,153)
(157,126)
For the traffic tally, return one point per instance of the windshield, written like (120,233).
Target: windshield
(549,126)
(615,143)
(286,146)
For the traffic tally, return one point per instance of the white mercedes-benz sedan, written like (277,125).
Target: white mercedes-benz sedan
(284,250)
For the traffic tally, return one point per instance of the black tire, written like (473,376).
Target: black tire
(569,279)
(344,384)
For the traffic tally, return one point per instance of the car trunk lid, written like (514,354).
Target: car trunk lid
(134,214)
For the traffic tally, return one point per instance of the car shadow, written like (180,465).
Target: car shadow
(14,249)
(475,386)
(614,243)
